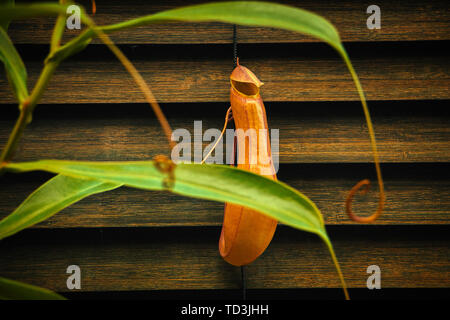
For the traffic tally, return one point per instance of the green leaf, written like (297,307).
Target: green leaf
(53,196)
(212,182)
(15,290)
(15,69)
(5,23)
(250,13)
(21,11)
(60,55)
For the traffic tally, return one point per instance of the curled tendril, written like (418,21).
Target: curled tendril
(166,166)
(363,186)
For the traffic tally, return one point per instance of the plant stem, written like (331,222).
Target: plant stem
(26,111)
(15,135)
(58,31)
(145,89)
(338,269)
(382,196)
(26,107)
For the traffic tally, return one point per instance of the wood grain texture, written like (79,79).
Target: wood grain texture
(309,133)
(412,199)
(291,75)
(189,259)
(400,21)
(129,240)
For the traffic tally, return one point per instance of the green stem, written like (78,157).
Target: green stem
(15,135)
(26,107)
(26,111)
(58,31)
(337,266)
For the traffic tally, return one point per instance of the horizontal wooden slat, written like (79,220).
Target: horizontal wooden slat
(400,20)
(297,74)
(134,240)
(420,197)
(309,133)
(189,259)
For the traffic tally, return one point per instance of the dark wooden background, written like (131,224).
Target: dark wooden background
(133,243)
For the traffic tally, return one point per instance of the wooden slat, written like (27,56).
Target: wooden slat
(411,199)
(401,20)
(309,133)
(129,240)
(189,259)
(206,79)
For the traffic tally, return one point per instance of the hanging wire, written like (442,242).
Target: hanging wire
(235,61)
(235,57)
(229,115)
(244,283)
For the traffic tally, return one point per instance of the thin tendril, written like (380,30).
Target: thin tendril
(228,117)
(363,187)
(94,8)
(136,77)
(338,269)
(365,182)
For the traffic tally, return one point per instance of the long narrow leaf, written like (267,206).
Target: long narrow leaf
(21,11)
(213,182)
(15,290)
(15,69)
(5,23)
(53,196)
(251,13)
